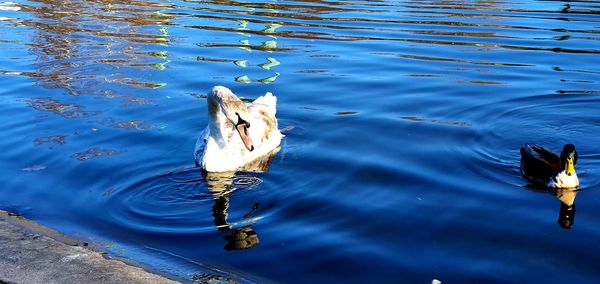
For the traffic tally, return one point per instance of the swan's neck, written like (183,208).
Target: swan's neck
(215,113)
(221,102)
(217,121)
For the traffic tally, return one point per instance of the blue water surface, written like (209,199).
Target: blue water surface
(403,122)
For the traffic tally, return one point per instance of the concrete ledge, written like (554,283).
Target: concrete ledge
(31,253)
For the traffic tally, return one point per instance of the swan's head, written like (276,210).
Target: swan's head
(235,111)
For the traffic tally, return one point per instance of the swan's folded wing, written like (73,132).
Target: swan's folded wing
(267,103)
(264,124)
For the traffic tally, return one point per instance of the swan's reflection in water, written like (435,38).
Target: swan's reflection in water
(240,235)
(566,216)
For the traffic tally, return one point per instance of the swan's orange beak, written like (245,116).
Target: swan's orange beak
(243,131)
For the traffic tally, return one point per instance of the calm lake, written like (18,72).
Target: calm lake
(403,122)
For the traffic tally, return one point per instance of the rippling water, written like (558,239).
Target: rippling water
(403,125)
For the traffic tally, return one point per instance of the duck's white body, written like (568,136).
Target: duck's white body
(220,147)
(563,180)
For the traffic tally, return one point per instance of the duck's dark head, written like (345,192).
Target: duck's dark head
(568,159)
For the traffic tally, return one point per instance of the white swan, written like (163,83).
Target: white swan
(237,133)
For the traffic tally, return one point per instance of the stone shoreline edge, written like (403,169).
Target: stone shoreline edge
(32,253)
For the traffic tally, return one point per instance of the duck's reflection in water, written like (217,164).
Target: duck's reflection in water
(221,185)
(566,216)
(566,196)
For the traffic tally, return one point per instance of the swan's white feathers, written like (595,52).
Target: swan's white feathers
(220,148)
(268,101)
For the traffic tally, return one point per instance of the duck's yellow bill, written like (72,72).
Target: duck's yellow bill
(570,167)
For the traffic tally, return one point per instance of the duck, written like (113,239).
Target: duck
(543,167)
(237,133)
